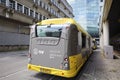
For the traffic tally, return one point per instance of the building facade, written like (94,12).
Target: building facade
(93,17)
(17,15)
(87,13)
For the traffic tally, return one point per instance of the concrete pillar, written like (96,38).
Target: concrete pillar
(23,9)
(29,11)
(101,40)
(108,50)
(106,33)
(34,0)
(15,5)
(7,3)
(34,13)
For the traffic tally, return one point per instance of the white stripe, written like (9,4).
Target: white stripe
(13,74)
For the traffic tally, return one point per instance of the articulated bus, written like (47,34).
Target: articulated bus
(59,47)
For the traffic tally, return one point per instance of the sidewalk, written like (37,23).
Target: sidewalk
(99,68)
(13,53)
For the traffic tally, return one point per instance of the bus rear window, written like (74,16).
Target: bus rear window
(48,31)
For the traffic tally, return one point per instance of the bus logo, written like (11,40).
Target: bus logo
(38,52)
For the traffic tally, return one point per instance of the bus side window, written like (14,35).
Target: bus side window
(83,41)
(89,42)
(73,40)
(79,42)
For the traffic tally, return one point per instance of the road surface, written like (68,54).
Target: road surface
(13,66)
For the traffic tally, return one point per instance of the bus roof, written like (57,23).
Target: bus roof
(62,21)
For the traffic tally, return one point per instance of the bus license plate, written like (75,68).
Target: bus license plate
(45,70)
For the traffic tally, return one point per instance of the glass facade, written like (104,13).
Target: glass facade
(87,13)
(79,10)
(92,17)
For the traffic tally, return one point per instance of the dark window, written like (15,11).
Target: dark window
(83,40)
(12,4)
(31,13)
(19,7)
(73,40)
(89,42)
(40,17)
(101,0)
(3,2)
(26,10)
(36,15)
(40,3)
(44,17)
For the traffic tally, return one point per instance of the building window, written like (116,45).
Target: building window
(3,2)
(31,13)
(40,17)
(52,1)
(52,11)
(12,4)
(26,10)
(46,7)
(40,3)
(49,8)
(19,7)
(36,15)
(44,17)
(43,5)
(35,1)
(101,0)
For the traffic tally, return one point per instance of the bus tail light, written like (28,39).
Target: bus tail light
(66,64)
(65,59)
(29,55)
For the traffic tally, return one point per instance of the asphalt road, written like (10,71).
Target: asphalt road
(13,66)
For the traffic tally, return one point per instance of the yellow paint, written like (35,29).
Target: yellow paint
(58,72)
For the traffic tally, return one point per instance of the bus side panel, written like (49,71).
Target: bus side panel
(76,62)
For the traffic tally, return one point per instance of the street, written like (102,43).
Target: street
(13,66)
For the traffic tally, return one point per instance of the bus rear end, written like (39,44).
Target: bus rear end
(48,50)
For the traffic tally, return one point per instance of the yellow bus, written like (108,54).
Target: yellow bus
(59,47)
(94,44)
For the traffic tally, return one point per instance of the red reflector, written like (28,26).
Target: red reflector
(29,67)
(29,55)
(62,73)
(65,59)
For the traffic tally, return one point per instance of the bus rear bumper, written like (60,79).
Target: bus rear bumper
(58,72)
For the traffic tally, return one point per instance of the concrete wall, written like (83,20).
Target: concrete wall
(13,35)
(9,38)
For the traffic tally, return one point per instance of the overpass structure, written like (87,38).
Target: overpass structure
(110,25)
